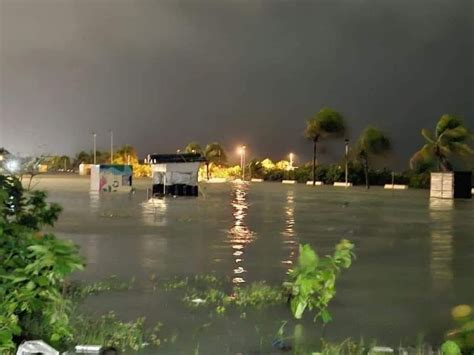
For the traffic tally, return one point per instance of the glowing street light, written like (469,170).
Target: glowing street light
(241,151)
(290,167)
(12,165)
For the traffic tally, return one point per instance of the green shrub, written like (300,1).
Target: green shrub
(33,268)
(313,281)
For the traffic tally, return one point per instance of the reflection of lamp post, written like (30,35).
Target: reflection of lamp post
(241,151)
(346,141)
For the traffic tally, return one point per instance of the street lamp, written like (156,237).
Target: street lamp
(346,141)
(111,147)
(95,148)
(291,161)
(241,151)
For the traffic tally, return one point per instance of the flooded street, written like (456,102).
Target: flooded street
(414,256)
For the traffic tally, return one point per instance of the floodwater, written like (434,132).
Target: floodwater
(415,257)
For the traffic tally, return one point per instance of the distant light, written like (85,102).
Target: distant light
(1,157)
(12,165)
(241,149)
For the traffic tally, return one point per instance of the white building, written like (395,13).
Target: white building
(175,174)
(111,178)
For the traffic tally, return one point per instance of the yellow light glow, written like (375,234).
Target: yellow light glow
(241,149)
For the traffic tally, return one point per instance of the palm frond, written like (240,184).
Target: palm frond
(462,149)
(447,122)
(425,154)
(428,135)
(457,134)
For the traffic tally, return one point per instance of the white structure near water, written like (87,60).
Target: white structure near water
(175,174)
(451,185)
(342,184)
(111,178)
(395,187)
(317,183)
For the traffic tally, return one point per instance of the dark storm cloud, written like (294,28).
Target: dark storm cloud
(161,73)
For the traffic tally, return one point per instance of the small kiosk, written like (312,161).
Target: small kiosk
(111,178)
(175,174)
(457,184)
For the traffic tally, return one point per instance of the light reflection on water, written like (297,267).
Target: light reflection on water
(152,251)
(289,231)
(94,201)
(154,211)
(239,234)
(441,242)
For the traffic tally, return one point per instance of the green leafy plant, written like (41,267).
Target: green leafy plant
(450,348)
(79,291)
(109,331)
(256,295)
(463,334)
(33,268)
(313,281)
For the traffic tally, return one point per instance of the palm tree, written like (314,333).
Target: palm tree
(64,162)
(372,142)
(215,154)
(193,147)
(83,157)
(327,123)
(451,138)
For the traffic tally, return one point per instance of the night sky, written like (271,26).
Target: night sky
(162,73)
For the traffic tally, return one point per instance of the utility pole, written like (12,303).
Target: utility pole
(241,151)
(95,148)
(111,147)
(346,141)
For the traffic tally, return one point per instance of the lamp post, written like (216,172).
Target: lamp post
(241,151)
(95,148)
(111,147)
(346,141)
(291,161)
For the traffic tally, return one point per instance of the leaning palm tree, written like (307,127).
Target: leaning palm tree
(214,153)
(451,138)
(372,142)
(327,123)
(193,147)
